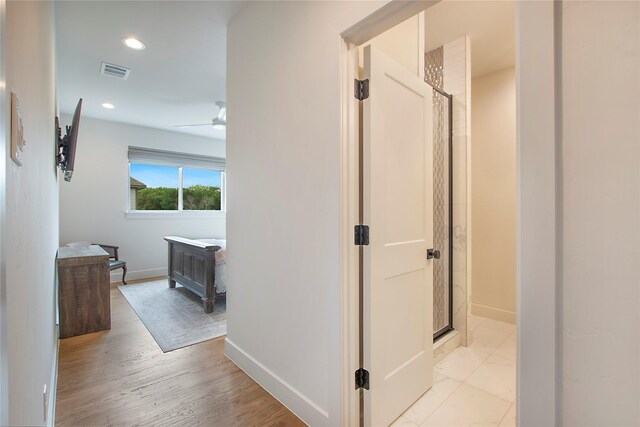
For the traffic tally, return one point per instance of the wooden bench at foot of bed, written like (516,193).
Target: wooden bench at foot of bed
(192,263)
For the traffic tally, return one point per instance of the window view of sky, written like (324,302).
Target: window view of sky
(192,177)
(167,176)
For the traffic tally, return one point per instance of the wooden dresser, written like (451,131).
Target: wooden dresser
(83,290)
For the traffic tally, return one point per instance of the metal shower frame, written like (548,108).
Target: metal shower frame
(449,327)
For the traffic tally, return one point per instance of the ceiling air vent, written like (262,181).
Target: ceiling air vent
(114,71)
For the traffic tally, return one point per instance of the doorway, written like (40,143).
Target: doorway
(352,110)
(156,168)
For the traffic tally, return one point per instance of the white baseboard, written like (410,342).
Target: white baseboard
(293,399)
(493,313)
(116,275)
(53,383)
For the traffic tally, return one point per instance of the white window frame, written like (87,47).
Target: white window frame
(180,212)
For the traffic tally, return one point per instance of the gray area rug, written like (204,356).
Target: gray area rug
(175,317)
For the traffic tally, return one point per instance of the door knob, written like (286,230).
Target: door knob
(433,253)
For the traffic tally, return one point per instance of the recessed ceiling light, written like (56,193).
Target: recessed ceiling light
(108,106)
(134,43)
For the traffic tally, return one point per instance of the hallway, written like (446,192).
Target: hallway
(121,377)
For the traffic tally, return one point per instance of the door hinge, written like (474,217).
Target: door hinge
(361,89)
(362,379)
(361,235)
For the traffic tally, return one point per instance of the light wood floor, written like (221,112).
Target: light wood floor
(122,378)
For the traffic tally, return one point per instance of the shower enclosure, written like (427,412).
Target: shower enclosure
(442,194)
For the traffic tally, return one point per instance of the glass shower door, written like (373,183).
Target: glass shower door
(442,192)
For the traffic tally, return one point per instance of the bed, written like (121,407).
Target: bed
(200,266)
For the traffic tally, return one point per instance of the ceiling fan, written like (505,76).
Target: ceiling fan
(218,122)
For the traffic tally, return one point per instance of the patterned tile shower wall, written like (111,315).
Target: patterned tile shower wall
(434,75)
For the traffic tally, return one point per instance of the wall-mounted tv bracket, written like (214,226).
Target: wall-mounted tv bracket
(62,145)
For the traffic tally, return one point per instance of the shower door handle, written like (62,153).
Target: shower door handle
(433,253)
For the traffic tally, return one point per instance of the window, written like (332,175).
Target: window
(201,190)
(153,188)
(167,181)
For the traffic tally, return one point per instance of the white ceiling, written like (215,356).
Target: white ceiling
(489,24)
(176,80)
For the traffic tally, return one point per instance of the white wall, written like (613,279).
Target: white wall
(31,234)
(600,321)
(93,204)
(281,47)
(493,195)
(402,43)
(283,221)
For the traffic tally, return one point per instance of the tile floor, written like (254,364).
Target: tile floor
(473,386)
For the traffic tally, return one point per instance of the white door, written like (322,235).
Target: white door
(398,207)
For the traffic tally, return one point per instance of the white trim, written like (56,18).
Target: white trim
(223,191)
(421,45)
(303,407)
(388,16)
(173,214)
(129,189)
(180,189)
(53,383)
(116,275)
(536,221)
(4,137)
(493,313)
(537,228)
(349,202)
